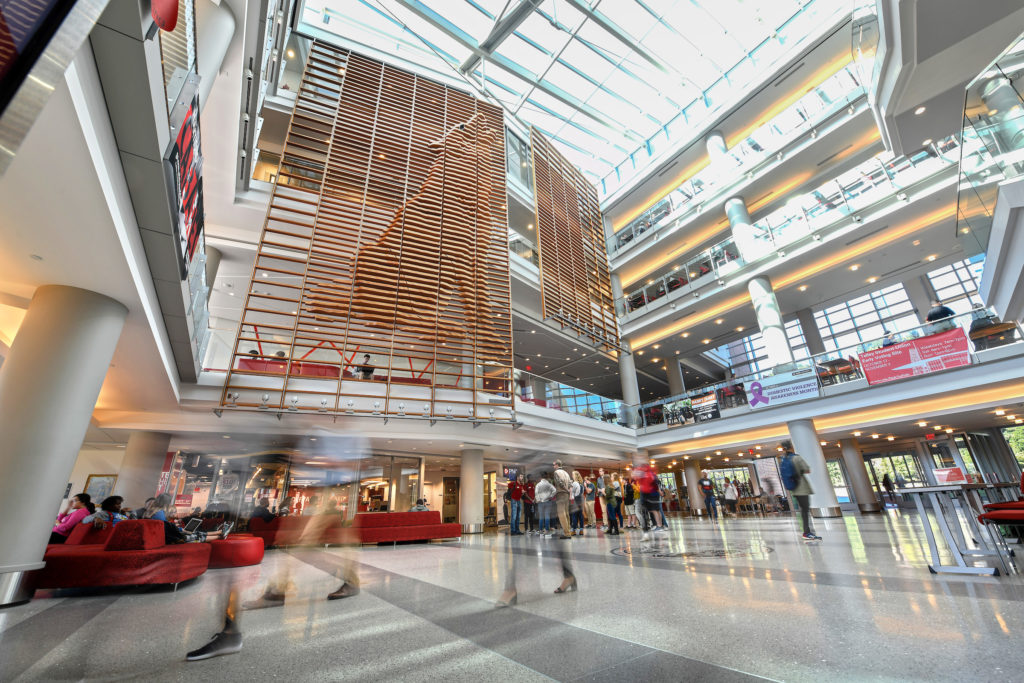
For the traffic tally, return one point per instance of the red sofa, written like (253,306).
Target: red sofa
(131,553)
(371,527)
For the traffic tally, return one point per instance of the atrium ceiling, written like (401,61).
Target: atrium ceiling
(609,81)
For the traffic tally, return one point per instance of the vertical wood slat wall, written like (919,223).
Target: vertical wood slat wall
(575,276)
(385,235)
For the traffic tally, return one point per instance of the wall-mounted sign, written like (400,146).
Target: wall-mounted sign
(186,162)
(914,357)
(510,472)
(949,475)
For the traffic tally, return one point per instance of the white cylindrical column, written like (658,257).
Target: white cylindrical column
(812,335)
(471,491)
(806,444)
(692,470)
(48,388)
(920,293)
(867,501)
(140,470)
(743,231)
(676,385)
(215,26)
(769,320)
(630,387)
(717,148)
(755,485)
(213,257)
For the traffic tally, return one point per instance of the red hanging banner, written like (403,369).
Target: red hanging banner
(916,357)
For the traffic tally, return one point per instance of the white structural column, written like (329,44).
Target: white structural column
(471,491)
(806,444)
(676,384)
(627,367)
(920,293)
(769,319)
(857,473)
(743,232)
(717,148)
(213,257)
(215,26)
(755,485)
(140,471)
(812,335)
(692,470)
(48,389)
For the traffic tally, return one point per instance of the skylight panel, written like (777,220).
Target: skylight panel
(540,31)
(570,81)
(517,50)
(628,16)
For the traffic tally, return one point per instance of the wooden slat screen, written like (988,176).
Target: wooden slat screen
(575,281)
(385,235)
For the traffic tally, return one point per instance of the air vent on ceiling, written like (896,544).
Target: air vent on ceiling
(833,156)
(909,266)
(786,75)
(858,238)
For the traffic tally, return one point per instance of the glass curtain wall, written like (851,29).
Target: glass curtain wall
(866,317)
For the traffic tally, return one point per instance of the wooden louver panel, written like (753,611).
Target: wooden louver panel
(385,235)
(574,273)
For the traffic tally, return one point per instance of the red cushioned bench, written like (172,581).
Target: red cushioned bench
(370,527)
(133,553)
(391,527)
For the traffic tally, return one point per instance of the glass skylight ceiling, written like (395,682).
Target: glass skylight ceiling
(613,82)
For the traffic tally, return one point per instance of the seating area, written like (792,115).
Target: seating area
(132,553)
(372,527)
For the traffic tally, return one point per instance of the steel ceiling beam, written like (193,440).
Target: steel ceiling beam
(503,28)
(441,23)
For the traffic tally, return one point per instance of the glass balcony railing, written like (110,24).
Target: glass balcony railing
(523,248)
(994,122)
(547,393)
(921,350)
(874,182)
(744,159)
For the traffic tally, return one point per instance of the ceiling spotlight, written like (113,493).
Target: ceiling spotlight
(401,409)
(684,335)
(890,438)
(376,407)
(802,288)
(874,436)
(263,401)
(926,142)
(872,280)
(348,407)
(718,452)
(856,433)
(719,321)
(705,341)
(740,328)
(922,424)
(708,458)
(920,110)
(855,267)
(949,431)
(823,443)
(1000,412)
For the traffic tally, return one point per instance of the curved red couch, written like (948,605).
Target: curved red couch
(235,551)
(370,527)
(132,553)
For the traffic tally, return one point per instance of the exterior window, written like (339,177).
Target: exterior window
(956,285)
(749,355)
(865,318)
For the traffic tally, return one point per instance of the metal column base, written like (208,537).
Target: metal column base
(472,528)
(869,507)
(833,511)
(14,589)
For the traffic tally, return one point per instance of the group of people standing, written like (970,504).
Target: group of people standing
(571,502)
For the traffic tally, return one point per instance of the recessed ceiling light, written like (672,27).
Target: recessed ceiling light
(949,431)
(705,341)
(225,437)
(926,142)
(932,257)
(657,346)
(684,335)
(823,443)
(920,110)
(530,226)
(718,452)
(719,321)
(855,267)
(891,438)
(922,424)
(740,328)
(916,243)
(1000,412)
(872,280)
(874,436)
(802,288)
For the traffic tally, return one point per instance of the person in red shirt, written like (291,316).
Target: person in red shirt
(529,507)
(515,492)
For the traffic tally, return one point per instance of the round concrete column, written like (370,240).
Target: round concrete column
(676,384)
(140,471)
(48,389)
(630,388)
(769,320)
(807,445)
(717,148)
(215,26)
(742,227)
(858,475)
(755,485)
(213,256)
(471,491)
(692,470)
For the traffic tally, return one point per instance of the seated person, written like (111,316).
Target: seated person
(263,511)
(420,506)
(79,507)
(109,513)
(162,508)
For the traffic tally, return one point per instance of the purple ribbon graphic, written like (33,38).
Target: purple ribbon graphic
(757,394)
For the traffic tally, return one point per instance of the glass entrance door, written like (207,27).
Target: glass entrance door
(838,477)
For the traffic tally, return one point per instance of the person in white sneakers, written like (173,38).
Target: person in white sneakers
(544,492)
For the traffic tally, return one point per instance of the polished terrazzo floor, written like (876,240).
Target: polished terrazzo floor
(736,600)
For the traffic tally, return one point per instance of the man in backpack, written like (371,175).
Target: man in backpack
(794,471)
(707,489)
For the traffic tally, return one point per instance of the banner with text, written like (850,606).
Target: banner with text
(705,407)
(785,387)
(915,357)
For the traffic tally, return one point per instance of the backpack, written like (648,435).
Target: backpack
(787,470)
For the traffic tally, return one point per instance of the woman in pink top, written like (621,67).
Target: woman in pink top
(78,509)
